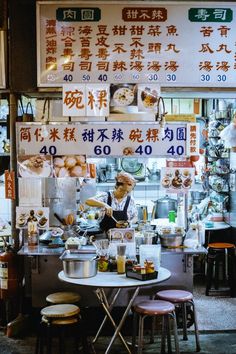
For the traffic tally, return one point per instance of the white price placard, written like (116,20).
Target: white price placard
(168,43)
(103,139)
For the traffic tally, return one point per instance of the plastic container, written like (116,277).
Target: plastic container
(150,253)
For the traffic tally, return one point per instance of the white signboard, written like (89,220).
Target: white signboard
(2,61)
(104,139)
(86,100)
(173,44)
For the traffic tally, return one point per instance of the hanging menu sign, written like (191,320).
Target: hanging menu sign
(172,44)
(104,139)
(2,61)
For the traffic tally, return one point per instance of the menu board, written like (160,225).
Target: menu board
(147,139)
(172,44)
(2,61)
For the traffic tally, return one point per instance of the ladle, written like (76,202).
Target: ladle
(114,219)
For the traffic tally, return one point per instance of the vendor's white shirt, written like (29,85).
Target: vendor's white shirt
(132,211)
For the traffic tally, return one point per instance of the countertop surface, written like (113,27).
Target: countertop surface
(6,231)
(43,250)
(218,226)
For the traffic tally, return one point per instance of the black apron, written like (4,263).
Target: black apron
(107,222)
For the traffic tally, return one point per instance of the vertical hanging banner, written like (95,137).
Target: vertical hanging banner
(194,138)
(169,43)
(10,192)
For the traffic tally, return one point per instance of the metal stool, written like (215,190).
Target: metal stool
(63,297)
(59,317)
(182,298)
(220,255)
(155,308)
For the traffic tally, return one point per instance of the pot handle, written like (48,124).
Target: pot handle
(95,258)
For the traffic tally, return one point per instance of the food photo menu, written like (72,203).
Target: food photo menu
(177,179)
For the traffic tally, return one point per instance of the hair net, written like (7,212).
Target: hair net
(125,177)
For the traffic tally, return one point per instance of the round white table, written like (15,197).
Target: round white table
(116,281)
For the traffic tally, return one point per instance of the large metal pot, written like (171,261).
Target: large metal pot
(162,207)
(78,265)
(171,240)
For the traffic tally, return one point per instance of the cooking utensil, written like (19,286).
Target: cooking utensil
(171,240)
(114,219)
(59,219)
(122,224)
(162,207)
(77,265)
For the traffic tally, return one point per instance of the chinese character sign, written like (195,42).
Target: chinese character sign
(172,44)
(10,192)
(102,139)
(86,100)
(74,100)
(193,134)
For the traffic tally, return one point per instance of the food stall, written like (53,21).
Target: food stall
(119,89)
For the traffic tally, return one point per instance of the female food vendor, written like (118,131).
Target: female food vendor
(117,203)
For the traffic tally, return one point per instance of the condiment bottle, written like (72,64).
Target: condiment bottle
(171,216)
(121,258)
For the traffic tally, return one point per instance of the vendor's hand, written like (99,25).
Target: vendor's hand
(108,210)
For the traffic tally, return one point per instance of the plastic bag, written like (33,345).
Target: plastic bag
(192,237)
(228,134)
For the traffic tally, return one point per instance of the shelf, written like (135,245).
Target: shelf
(4,154)
(143,183)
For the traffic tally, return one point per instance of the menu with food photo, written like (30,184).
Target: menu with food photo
(123,95)
(69,166)
(34,166)
(38,214)
(148,97)
(177,179)
(124,235)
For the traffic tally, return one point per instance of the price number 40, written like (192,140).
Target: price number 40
(51,150)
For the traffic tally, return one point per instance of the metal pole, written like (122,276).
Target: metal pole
(13,104)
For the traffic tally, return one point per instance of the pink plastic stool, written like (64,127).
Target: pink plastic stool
(182,298)
(154,308)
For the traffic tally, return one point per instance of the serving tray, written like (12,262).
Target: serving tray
(142,277)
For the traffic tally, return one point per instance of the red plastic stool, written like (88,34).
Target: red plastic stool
(182,298)
(155,308)
(220,255)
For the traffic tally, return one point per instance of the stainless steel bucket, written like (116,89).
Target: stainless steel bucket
(77,265)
